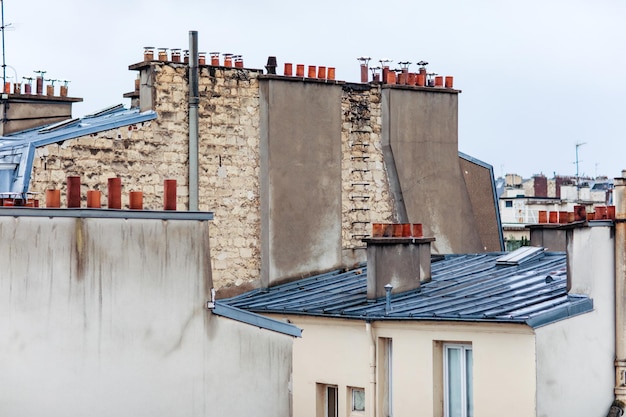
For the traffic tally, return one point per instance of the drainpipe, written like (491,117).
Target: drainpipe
(372,390)
(193,120)
(620,287)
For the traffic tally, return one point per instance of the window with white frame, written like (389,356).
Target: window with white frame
(357,399)
(457,379)
(332,405)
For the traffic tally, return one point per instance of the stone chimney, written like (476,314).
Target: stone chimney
(402,262)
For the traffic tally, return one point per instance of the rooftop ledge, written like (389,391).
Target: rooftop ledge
(395,240)
(105,213)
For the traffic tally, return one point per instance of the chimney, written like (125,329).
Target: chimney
(551,236)
(540,185)
(402,262)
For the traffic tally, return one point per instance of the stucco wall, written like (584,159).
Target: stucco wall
(421,128)
(567,385)
(301,180)
(336,352)
(105,317)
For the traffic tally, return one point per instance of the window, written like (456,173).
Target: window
(327,401)
(508,203)
(332,407)
(358,399)
(457,380)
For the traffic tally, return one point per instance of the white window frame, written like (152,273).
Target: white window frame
(353,390)
(464,348)
(327,403)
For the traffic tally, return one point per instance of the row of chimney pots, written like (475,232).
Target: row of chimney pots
(16,88)
(93,197)
(389,76)
(579,214)
(397,230)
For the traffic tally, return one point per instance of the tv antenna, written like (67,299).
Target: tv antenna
(578,145)
(3,28)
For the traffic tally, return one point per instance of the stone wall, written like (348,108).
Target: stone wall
(144,155)
(366,198)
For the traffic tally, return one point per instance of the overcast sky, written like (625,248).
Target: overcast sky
(537,76)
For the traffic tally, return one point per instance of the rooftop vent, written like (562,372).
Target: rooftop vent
(519,256)
(55,126)
(106,110)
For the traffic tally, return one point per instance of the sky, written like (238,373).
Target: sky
(538,77)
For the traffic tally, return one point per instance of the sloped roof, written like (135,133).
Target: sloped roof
(492,287)
(17,150)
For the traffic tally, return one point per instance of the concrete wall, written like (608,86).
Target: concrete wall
(561,374)
(107,317)
(336,352)
(300,178)
(421,130)
(552,238)
(26,112)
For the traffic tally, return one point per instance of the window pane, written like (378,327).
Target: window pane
(469,394)
(358,399)
(455,399)
(331,402)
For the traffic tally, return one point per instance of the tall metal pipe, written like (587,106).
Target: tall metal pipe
(193,120)
(620,287)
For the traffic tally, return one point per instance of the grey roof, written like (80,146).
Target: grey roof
(17,150)
(528,289)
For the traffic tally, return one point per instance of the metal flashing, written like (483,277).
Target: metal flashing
(105,213)
(257,320)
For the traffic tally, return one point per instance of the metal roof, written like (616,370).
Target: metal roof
(472,287)
(17,150)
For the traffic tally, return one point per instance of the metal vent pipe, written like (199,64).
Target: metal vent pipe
(193,120)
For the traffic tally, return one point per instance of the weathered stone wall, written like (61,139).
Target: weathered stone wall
(366,198)
(146,154)
(229,172)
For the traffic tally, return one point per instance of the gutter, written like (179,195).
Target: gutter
(254,319)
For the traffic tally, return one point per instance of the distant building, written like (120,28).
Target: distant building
(522,200)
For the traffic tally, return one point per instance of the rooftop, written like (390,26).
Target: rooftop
(18,150)
(527,287)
